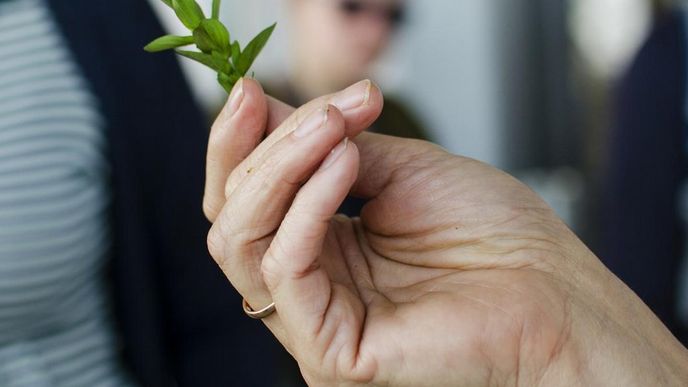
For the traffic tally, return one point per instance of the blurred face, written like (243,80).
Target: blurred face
(340,39)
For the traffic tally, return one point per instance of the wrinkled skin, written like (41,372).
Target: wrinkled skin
(456,274)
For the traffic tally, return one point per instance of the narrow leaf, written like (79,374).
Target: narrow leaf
(216,9)
(189,12)
(168,3)
(250,53)
(215,63)
(211,35)
(168,42)
(203,40)
(227,81)
(236,52)
(220,57)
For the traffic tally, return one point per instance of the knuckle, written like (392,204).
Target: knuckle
(215,129)
(275,174)
(230,186)
(283,169)
(254,117)
(279,174)
(216,134)
(297,260)
(216,244)
(238,175)
(233,181)
(270,269)
(222,242)
(210,210)
(299,116)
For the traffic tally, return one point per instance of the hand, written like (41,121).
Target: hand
(455,274)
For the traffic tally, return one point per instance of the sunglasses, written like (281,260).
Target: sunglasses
(395,14)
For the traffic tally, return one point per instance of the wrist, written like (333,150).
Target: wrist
(613,359)
(618,341)
(614,339)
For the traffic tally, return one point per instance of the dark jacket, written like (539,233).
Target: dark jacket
(643,238)
(179,318)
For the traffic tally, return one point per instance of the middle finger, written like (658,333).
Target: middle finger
(240,237)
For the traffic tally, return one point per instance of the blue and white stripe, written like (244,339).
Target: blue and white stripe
(54,235)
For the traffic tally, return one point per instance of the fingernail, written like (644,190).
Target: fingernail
(235,98)
(354,96)
(317,120)
(335,154)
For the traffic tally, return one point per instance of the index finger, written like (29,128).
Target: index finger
(236,132)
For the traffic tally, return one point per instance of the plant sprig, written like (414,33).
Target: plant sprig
(211,37)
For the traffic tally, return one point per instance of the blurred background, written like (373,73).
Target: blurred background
(583,100)
(545,89)
(524,85)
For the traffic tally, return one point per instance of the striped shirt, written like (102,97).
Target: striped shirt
(54,235)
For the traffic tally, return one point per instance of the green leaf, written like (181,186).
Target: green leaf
(168,42)
(220,57)
(236,52)
(228,81)
(216,9)
(203,41)
(211,35)
(189,12)
(250,53)
(215,63)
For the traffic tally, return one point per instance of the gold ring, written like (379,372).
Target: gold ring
(258,314)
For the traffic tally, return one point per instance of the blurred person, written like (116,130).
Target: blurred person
(336,42)
(105,279)
(643,236)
